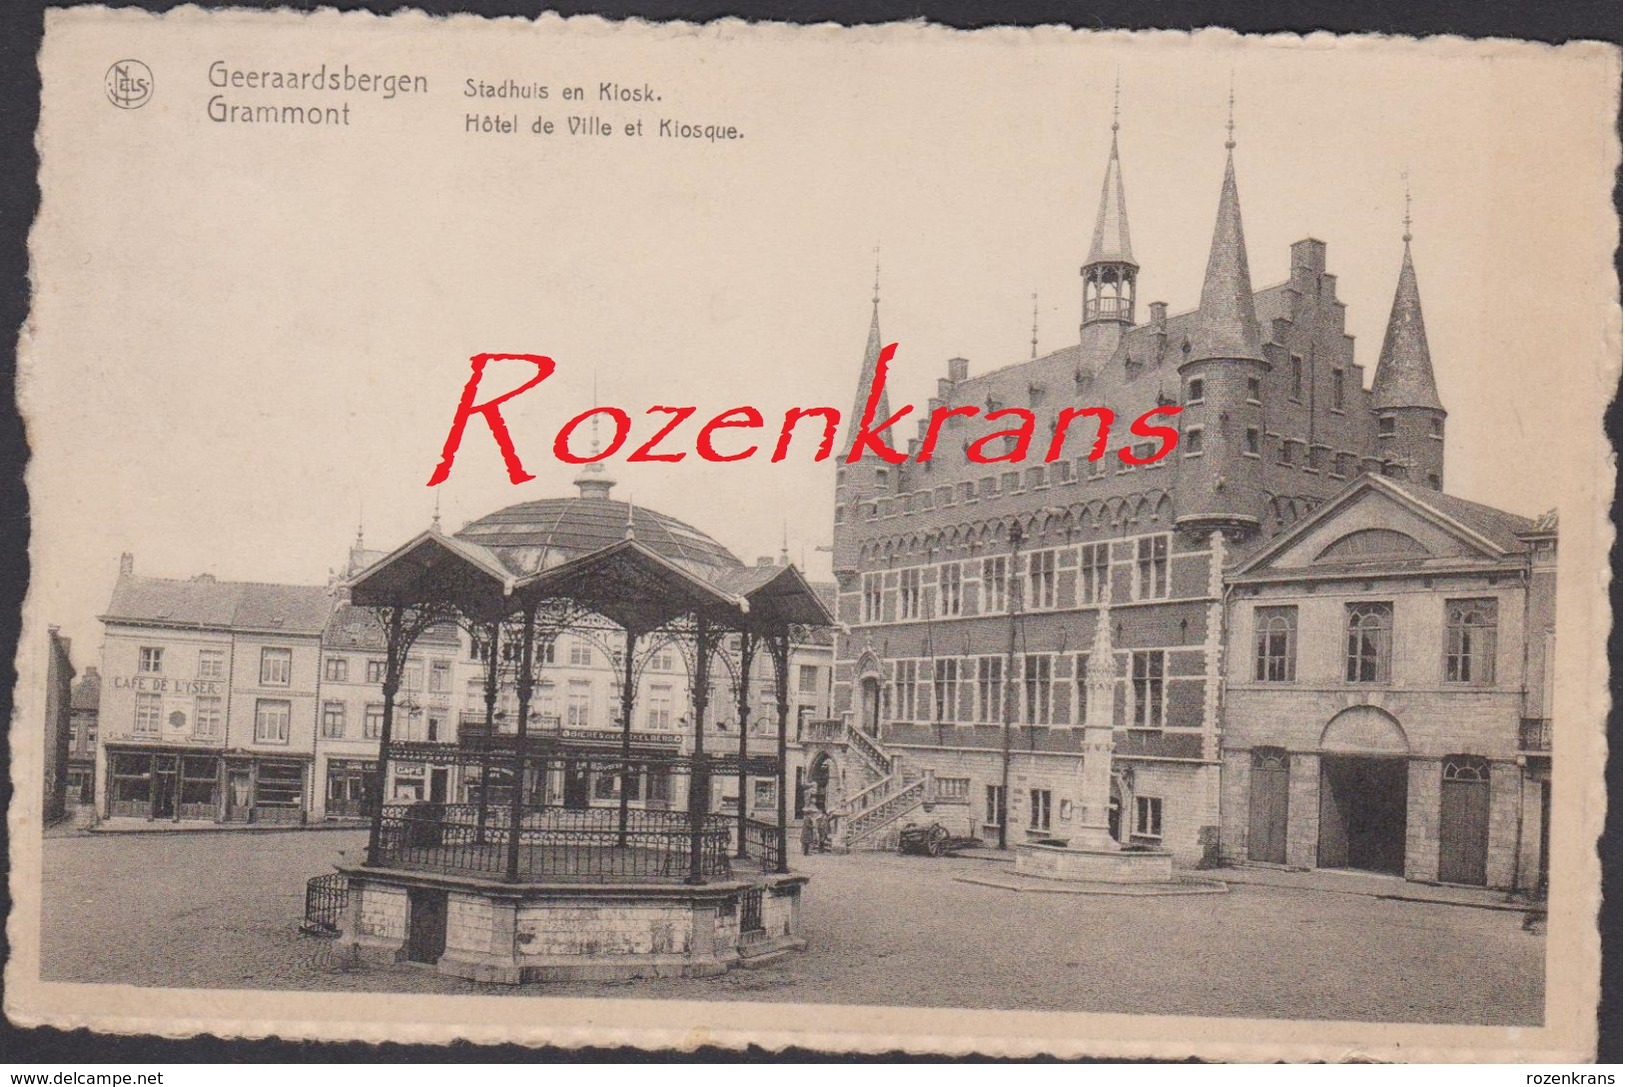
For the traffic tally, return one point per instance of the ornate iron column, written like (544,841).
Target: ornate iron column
(628,692)
(699,780)
(747,657)
(493,648)
(394,661)
(523,683)
(779,646)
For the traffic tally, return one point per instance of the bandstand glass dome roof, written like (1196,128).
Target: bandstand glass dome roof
(533,536)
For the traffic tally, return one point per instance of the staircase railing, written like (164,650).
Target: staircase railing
(897,803)
(860,741)
(867,797)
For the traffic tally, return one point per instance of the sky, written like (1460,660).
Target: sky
(248,340)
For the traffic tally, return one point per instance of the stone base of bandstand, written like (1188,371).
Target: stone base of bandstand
(1065,862)
(511,934)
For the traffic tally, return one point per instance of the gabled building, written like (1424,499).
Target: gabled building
(1388,702)
(971,591)
(86,708)
(208,700)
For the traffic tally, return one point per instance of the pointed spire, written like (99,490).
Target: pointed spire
(1404,376)
(360,522)
(435,522)
(866,376)
(1111,238)
(630,532)
(1226,323)
(784,545)
(593,481)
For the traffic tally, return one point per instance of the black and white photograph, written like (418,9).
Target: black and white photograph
(876,539)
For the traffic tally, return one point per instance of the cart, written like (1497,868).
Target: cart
(931,841)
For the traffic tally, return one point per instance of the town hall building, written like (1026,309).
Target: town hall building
(971,592)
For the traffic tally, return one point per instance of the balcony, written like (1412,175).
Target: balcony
(1535,735)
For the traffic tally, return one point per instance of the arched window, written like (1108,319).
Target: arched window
(1370,543)
(1469,645)
(1466,768)
(1370,642)
(1276,643)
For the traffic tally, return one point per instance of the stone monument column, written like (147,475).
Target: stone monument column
(1094,787)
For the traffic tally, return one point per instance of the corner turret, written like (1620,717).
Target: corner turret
(1404,399)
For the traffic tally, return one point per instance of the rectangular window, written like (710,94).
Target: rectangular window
(1286,456)
(276,667)
(1370,642)
(149,711)
(1469,647)
(1385,426)
(1038,687)
(152,659)
(1253,442)
(1254,390)
(1275,644)
(375,671)
(945,679)
(950,597)
(578,706)
(1080,672)
(207,718)
(664,661)
(872,586)
(1041,579)
(1193,442)
(1094,573)
(1151,567)
(660,707)
(272,717)
(989,689)
(807,679)
(993,585)
(905,679)
(1038,809)
(1297,377)
(372,722)
(211,664)
(412,677)
(440,676)
(580,653)
(1148,816)
(1193,391)
(336,670)
(1338,392)
(995,805)
(474,696)
(1149,665)
(333,720)
(909,594)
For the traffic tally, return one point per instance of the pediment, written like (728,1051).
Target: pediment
(1371,526)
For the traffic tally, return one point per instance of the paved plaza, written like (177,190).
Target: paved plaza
(222,911)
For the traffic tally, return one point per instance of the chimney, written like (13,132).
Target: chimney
(1159,317)
(958,370)
(126,564)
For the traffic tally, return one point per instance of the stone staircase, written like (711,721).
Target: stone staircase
(871,817)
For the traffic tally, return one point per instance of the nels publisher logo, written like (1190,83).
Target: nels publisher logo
(129,84)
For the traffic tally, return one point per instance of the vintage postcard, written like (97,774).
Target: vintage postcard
(1014,542)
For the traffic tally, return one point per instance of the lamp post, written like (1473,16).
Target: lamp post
(1013,595)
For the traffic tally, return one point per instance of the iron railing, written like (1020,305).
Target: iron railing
(762,843)
(326,899)
(581,844)
(1535,734)
(750,914)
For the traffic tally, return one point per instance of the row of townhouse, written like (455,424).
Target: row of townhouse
(243,702)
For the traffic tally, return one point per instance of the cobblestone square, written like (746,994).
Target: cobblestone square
(222,911)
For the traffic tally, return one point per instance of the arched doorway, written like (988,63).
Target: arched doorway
(817,796)
(1464,820)
(1364,782)
(869,689)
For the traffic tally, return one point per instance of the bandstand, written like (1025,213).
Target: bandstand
(520,877)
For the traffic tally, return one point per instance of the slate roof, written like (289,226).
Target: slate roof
(1111,240)
(204,601)
(353,627)
(1498,526)
(1404,377)
(87,693)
